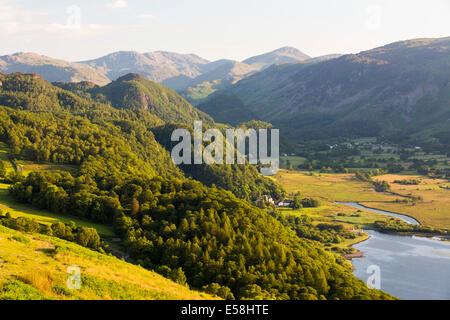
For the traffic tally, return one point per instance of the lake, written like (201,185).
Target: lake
(410,267)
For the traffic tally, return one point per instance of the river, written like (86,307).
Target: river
(396,215)
(410,267)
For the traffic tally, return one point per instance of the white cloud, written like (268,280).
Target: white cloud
(117,4)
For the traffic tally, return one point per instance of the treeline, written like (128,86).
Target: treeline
(367,176)
(65,139)
(84,236)
(327,233)
(68,129)
(398,226)
(408,182)
(300,202)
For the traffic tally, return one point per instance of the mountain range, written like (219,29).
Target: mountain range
(51,69)
(189,74)
(399,89)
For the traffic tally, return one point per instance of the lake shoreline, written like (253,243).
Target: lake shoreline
(360,254)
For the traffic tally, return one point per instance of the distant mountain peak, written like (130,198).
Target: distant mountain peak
(289,50)
(278,56)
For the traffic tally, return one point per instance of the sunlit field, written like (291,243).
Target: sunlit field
(433,210)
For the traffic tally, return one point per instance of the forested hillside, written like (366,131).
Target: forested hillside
(133,91)
(251,184)
(168,223)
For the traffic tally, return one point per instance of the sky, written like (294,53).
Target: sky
(77,30)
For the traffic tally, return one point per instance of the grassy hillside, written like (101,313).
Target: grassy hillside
(34,267)
(226,74)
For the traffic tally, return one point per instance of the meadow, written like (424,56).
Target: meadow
(433,210)
(34,267)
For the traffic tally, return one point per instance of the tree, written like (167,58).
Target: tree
(178,276)
(88,237)
(218,290)
(297,202)
(134,207)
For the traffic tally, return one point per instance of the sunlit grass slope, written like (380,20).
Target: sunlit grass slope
(35,267)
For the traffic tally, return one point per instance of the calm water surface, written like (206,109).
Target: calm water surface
(412,268)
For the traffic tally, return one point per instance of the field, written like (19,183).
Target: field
(434,210)
(17,209)
(35,267)
(379,154)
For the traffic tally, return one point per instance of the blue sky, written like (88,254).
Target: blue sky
(83,29)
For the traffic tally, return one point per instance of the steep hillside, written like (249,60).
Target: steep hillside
(133,91)
(279,56)
(40,272)
(224,108)
(51,69)
(401,87)
(223,76)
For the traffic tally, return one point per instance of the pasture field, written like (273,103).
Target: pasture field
(433,210)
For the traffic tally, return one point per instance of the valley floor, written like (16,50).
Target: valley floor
(432,210)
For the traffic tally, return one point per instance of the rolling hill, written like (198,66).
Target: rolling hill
(223,76)
(194,77)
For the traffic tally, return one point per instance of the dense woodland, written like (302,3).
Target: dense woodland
(202,236)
